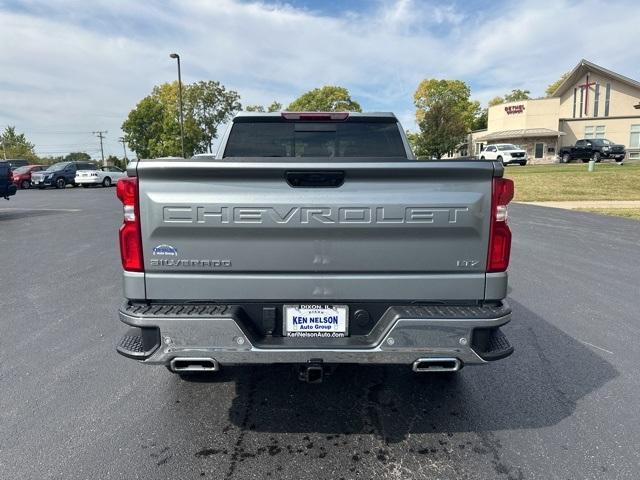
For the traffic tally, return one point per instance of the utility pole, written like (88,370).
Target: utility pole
(124,148)
(100,134)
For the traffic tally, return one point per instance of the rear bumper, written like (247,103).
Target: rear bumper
(159,333)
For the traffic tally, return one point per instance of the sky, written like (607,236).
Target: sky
(72,67)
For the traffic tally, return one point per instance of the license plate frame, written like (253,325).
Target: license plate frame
(316,324)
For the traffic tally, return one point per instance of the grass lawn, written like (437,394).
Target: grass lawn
(573,182)
(633,213)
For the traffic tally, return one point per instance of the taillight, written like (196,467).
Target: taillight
(130,235)
(499,232)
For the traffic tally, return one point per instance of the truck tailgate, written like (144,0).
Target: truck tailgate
(227,230)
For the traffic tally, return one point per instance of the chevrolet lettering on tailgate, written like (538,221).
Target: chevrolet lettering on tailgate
(307,215)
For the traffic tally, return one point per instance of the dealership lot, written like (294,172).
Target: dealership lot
(564,406)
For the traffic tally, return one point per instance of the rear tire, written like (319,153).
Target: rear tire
(566,158)
(522,164)
(61,183)
(106,182)
(482,157)
(25,185)
(596,157)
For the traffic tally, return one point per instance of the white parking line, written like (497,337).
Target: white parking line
(595,346)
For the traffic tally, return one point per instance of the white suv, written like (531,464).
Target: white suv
(506,153)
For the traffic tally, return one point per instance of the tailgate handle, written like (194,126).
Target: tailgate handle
(315,179)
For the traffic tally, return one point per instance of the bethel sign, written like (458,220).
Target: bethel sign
(511,109)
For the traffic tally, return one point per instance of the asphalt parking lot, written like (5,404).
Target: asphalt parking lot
(564,406)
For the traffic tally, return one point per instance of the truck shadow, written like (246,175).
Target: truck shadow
(538,386)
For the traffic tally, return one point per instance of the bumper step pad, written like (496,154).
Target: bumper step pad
(491,344)
(139,343)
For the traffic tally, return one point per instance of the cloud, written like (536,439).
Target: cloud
(76,66)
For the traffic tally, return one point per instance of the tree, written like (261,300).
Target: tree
(551,89)
(77,157)
(210,105)
(516,95)
(152,128)
(445,114)
(168,141)
(440,131)
(325,99)
(454,93)
(144,127)
(15,145)
(496,101)
(481,119)
(414,139)
(274,107)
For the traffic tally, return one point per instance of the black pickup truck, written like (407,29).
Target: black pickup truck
(7,188)
(592,149)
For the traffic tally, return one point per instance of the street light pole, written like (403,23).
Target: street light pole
(177,57)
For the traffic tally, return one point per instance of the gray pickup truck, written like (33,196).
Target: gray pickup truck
(314,239)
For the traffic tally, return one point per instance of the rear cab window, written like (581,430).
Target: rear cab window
(278,137)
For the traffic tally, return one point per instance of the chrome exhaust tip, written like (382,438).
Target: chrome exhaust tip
(188,364)
(437,365)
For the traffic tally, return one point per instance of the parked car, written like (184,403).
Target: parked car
(7,187)
(60,174)
(105,176)
(16,162)
(22,175)
(592,149)
(506,153)
(320,240)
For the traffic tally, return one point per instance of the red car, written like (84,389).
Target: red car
(22,175)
